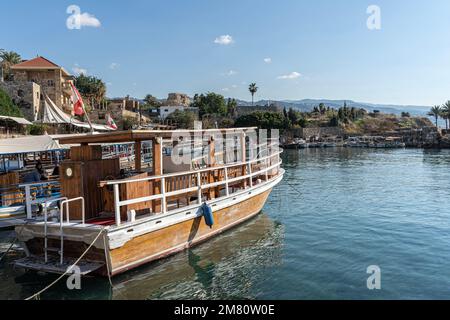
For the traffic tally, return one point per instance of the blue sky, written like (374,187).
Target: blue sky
(318,49)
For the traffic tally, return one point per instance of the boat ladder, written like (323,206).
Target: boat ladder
(64,204)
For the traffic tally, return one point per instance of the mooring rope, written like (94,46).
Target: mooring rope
(37,294)
(106,261)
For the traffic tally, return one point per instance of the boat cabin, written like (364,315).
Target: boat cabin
(110,192)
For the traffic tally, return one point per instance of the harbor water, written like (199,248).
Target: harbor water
(337,212)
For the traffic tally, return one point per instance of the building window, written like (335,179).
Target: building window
(50,83)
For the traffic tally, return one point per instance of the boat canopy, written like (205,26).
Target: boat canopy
(143,135)
(29,144)
(16,119)
(54,115)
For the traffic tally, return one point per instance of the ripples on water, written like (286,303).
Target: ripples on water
(336,212)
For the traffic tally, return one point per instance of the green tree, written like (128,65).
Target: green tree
(263,120)
(253,89)
(151,102)
(8,59)
(92,89)
(445,113)
(334,121)
(232,107)
(7,107)
(292,116)
(183,119)
(211,103)
(435,112)
(405,114)
(322,108)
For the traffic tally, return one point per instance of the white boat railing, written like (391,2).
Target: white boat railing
(200,186)
(36,193)
(64,202)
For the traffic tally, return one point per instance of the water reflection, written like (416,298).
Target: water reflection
(226,267)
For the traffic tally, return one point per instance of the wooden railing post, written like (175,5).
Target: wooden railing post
(116,204)
(199,190)
(28,202)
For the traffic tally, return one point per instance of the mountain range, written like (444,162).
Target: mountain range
(309,104)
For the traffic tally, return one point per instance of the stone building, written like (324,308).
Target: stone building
(174,102)
(122,110)
(177,99)
(53,79)
(31,78)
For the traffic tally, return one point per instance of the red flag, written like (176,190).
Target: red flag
(111,123)
(78,106)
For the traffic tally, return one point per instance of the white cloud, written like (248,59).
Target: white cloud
(88,20)
(77,20)
(225,89)
(292,75)
(224,40)
(114,65)
(268,60)
(234,86)
(230,73)
(78,70)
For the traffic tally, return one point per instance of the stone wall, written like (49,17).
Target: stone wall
(26,95)
(424,137)
(320,132)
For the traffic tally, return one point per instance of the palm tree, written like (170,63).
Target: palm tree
(253,89)
(8,59)
(445,113)
(436,113)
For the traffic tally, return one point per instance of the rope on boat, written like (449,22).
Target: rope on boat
(106,262)
(37,294)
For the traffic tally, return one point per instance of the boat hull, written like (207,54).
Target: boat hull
(167,241)
(133,244)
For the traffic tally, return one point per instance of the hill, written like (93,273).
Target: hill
(309,104)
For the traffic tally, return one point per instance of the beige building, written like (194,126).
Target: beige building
(122,110)
(177,99)
(53,79)
(31,78)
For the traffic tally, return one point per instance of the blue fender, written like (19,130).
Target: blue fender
(208,215)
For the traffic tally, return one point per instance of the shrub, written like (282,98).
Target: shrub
(7,107)
(37,129)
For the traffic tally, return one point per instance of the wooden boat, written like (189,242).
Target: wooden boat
(111,221)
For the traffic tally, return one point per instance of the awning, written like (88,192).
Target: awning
(54,115)
(16,119)
(29,144)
